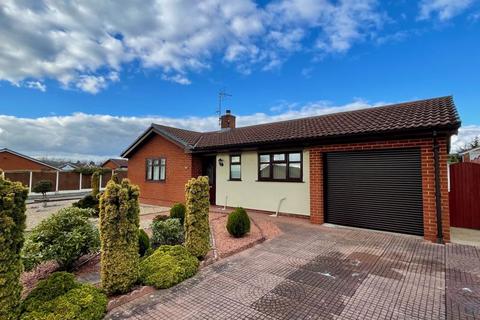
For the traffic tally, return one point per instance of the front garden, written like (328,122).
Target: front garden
(102,233)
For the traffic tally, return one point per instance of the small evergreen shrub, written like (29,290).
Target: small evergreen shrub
(12,226)
(119,223)
(238,223)
(60,297)
(167,232)
(143,242)
(197,229)
(64,237)
(88,202)
(43,186)
(178,211)
(167,266)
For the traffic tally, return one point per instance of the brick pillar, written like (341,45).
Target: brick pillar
(444,189)
(316,186)
(428,188)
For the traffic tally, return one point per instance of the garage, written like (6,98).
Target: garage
(375,189)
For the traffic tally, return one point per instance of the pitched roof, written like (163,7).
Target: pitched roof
(437,113)
(28,158)
(122,163)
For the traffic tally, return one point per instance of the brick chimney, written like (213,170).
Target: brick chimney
(227,121)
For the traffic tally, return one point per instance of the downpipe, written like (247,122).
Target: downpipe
(438,195)
(278,207)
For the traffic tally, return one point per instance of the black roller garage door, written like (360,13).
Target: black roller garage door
(379,189)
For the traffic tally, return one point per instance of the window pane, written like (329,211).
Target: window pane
(162,162)
(235,159)
(162,170)
(235,171)
(265,158)
(264,171)
(294,157)
(156,171)
(149,170)
(295,171)
(280,171)
(279,157)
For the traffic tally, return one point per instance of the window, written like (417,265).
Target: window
(235,167)
(156,169)
(280,166)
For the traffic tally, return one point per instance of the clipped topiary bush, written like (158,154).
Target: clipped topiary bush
(119,222)
(43,186)
(178,211)
(238,223)
(64,237)
(167,232)
(61,297)
(143,242)
(12,226)
(167,266)
(95,183)
(197,229)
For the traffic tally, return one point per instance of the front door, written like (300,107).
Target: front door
(208,169)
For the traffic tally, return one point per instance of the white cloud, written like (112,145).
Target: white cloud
(444,9)
(80,43)
(466,134)
(36,85)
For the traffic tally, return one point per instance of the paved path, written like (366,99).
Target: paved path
(319,272)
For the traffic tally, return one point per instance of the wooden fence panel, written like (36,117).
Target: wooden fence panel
(465,195)
(69,181)
(105,178)
(86,181)
(23,177)
(44,175)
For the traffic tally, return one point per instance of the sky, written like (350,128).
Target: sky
(82,79)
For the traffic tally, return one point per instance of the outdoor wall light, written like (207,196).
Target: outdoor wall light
(220,162)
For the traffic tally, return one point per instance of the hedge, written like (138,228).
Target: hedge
(12,225)
(119,223)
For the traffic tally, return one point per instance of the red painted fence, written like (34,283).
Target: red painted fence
(465,195)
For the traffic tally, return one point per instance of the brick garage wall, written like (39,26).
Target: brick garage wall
(9,161)
(110,165)
(180,167)
(428,179)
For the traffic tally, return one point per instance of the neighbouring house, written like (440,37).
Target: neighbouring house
(472,155)
(381,168)
(116,164)
(67,167)
(11,160)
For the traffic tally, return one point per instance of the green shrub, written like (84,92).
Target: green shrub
(197,229)
(95,184)
(12,226)
(64,237)
(119,222)
(60,297)
(43,186)
(167,266)
(167,232)
(178,211)
(143,242)
(238,223)
(88,202)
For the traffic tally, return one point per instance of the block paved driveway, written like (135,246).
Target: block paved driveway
(320,272)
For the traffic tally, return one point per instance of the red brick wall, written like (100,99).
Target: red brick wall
(180,167)
(110,165)
(428,179)
(9,161)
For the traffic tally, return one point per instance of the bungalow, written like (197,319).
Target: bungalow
(381,168)
(11,160)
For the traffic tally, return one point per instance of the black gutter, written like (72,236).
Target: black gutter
(438,195)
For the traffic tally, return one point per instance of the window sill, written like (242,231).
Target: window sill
(234,180)
(155,181)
